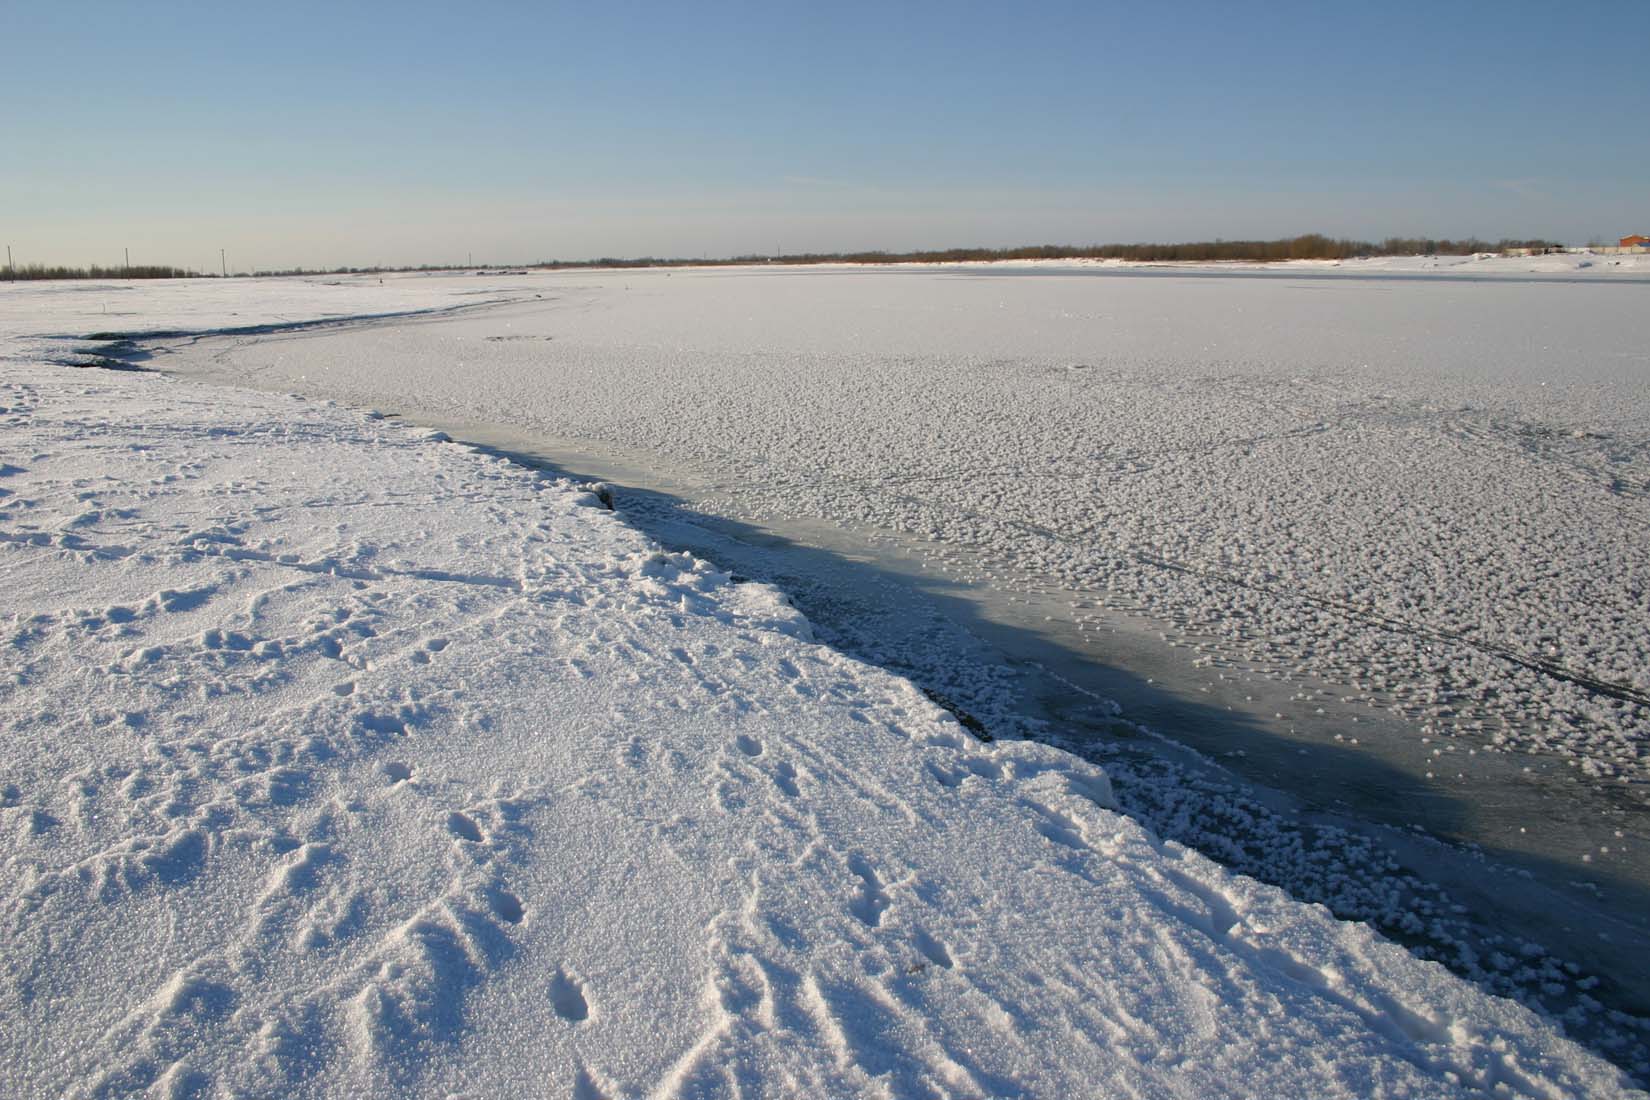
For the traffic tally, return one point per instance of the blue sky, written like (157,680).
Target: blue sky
(324,134)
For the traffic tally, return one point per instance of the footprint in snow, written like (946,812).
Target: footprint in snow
(397,772)
(505,905)
(567,997)
(585,1086)
(1057,827)
(750,746)
(944,776)
(870,899)
(434,645)
(463,827)
(932,949)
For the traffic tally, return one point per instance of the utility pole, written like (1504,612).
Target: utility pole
(11,267)
(126,269)
(223,263)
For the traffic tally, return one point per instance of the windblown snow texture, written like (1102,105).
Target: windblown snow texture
(340,759)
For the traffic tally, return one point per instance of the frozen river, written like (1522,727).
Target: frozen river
(1377,549)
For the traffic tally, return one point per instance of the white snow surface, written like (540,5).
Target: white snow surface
(1419,484)
(340,759)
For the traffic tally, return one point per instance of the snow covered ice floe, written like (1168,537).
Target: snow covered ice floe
(343,760)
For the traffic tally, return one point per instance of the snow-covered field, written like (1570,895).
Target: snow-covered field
(1430,495)
(341,758)
(1414,496)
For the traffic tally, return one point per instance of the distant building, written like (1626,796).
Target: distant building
(1637,240)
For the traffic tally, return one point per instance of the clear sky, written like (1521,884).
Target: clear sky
(292,133)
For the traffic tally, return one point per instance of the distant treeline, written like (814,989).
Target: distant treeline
(137,271)
(266,273)
(1311,246)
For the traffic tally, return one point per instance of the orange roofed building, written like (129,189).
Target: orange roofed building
(1637,240)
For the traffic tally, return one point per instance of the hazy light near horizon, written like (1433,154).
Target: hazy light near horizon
(320,136)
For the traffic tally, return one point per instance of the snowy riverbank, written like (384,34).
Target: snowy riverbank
(1375,540)
(341,758)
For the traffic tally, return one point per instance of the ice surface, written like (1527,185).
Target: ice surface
(1431,496)
(1404,497)
(341,759)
